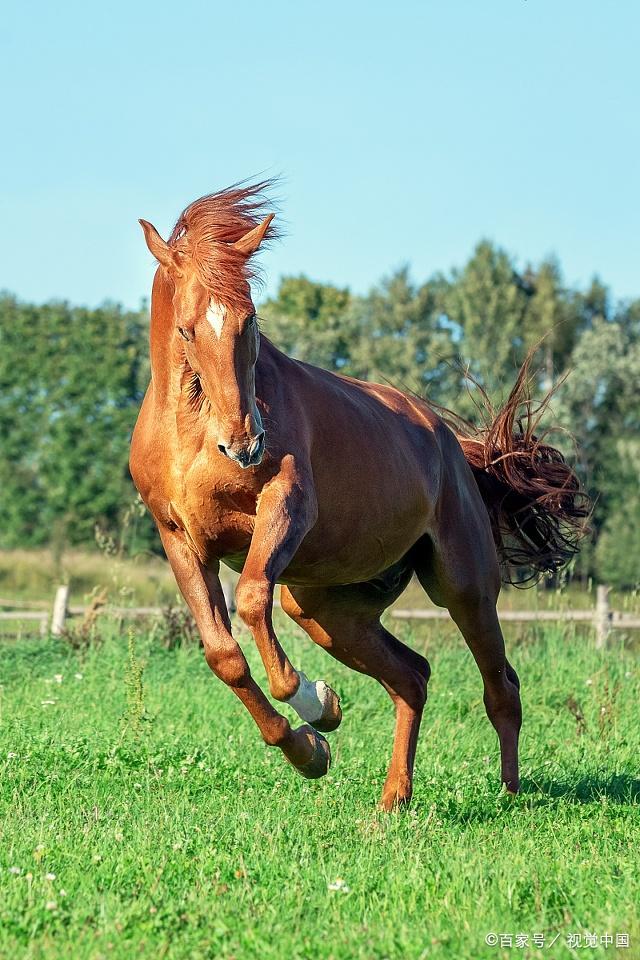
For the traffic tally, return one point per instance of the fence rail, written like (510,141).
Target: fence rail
(53,618)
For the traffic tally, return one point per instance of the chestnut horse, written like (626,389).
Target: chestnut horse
(337,489)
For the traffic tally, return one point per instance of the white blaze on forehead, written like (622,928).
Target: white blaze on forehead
(216,315)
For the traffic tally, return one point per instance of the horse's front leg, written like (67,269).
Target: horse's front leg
(304,748)
(286,512)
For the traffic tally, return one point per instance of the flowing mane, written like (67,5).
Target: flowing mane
(207,228)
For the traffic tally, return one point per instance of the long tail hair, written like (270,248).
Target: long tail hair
(537,507)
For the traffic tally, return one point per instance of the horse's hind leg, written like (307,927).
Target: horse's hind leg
(346,622)
(478,621)
(462,575)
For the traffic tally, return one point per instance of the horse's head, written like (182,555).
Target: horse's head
(215,329)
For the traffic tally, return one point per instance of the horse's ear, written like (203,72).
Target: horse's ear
(157,246)
(252,240)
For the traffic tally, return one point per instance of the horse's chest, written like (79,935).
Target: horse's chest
(215,514)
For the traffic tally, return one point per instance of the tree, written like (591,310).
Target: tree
(71,384)
(309,321)
(598,405)
(401,337)
(554,317)
(486,304)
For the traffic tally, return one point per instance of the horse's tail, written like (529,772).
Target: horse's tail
(536,505)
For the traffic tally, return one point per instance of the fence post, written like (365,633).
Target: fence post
(59,614)
(603,616)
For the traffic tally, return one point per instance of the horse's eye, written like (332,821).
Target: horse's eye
(183,333)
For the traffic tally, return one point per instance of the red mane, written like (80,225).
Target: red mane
(206,230)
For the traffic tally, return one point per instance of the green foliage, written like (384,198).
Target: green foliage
(71,382)
(618,545)
(599,405)
(197,841)
(308,321)
(401,337)
(488,303)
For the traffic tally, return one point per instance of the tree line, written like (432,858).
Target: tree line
(72,379)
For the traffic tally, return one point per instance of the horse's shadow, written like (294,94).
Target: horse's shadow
(541,792)
(616,787)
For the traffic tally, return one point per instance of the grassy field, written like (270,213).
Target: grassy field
(141,816)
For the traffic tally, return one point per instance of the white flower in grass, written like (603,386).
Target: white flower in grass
(58,677)
(50,876)
(47,703)
(62,892)
(588,681)
(11,755)
(78,676)
(16,871)
(51,905)
(339,885)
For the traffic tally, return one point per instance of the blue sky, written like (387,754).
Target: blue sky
(405,132)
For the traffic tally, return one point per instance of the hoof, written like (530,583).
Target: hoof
(331,713)
(317,704)
(510,789)
(391,802)
(320,760)
(396,796)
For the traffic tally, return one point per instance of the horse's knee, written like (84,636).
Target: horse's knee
(253,601)
(228,664)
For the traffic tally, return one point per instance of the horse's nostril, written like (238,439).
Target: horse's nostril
(222,449)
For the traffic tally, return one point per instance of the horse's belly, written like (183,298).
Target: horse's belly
(342,550)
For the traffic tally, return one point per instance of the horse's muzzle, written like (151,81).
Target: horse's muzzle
(247,456)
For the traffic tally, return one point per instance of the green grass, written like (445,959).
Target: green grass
(174,832)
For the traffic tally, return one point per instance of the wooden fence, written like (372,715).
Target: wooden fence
(52,619)
(601,617)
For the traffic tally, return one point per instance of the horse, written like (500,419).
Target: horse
(338,490)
